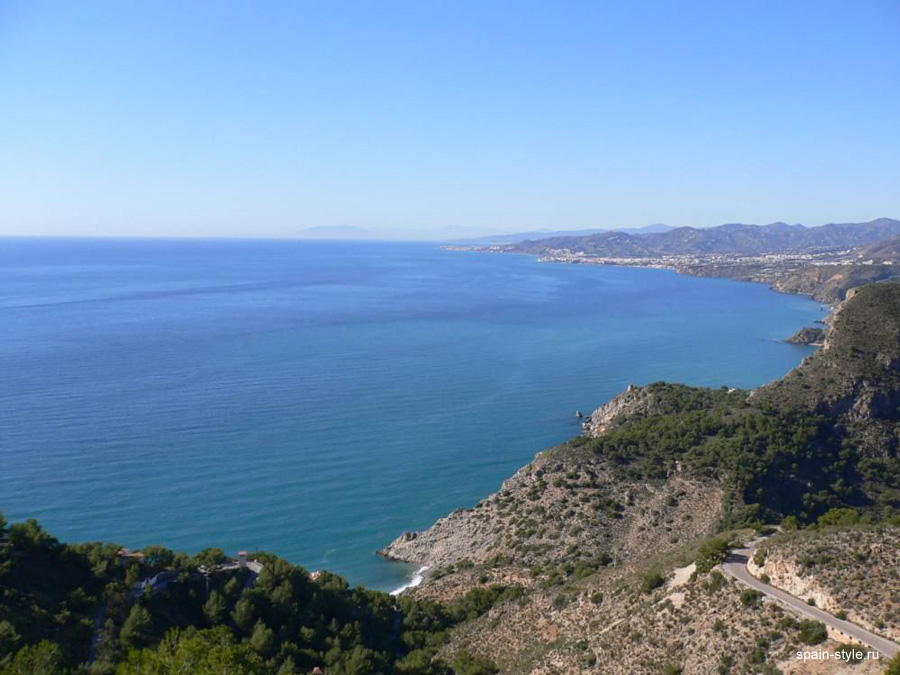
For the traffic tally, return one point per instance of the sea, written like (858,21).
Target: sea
(317,399)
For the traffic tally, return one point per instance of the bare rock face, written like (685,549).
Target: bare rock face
(631,403)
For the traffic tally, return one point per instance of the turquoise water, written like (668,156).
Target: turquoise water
(316,399)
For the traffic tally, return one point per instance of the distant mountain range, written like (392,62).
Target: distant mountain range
(515,237)
(732,238)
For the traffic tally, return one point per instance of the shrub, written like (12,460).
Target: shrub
(583,569)
(759,556)
(838,518)
(812,632)
(711,552)
(750,598)
(466,663)
(893,666)
(790,523)
(716,581)
(652,580)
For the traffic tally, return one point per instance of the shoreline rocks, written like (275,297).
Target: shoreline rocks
(808,336)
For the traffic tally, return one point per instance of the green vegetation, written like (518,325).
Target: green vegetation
(751,598)
(775,463)
(57,599)
(465,663)
(812,632)
(838,518)
(652,580)
(893,666)
(792,452)
(712,552)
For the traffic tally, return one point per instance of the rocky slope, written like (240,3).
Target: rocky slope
(606,624)
(855,571)
(559,509)
(808,336)
(659,468)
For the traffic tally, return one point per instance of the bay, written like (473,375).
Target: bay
(315,399)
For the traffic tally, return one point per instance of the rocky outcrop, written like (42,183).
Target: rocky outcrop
(631,403)
(786,575)
(808,336)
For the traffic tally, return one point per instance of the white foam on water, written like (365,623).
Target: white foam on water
(417,579)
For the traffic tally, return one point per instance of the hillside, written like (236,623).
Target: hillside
(658,470)
(824,262)
(885,251)
(850,572)
(724,239)
(823,437)
(99,609)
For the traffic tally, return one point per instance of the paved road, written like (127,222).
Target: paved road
(736,566)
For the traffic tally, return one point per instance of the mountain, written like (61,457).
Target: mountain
(497,239)
(732,238)
(646,229)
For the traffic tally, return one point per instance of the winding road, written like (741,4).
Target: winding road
(735,566)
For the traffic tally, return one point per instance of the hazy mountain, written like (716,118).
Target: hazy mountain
(732,238)
(515,237)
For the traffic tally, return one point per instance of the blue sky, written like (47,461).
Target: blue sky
(265,118)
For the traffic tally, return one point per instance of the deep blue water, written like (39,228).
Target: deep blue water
(316,399)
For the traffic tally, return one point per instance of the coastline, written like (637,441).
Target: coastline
(829,308)
(826,281)
(416,580)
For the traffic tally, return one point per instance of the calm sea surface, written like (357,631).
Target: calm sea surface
(317,399)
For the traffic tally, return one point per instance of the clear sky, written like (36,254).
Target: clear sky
(265,118)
